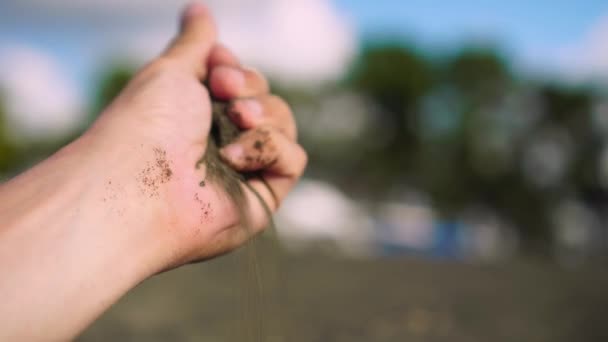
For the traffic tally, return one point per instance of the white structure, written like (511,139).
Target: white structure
(317,214)
(577,232)
(407,225)
(487,237)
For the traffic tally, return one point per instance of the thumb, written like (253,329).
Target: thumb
(197,36)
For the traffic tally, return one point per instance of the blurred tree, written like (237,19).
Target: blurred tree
(396,78)
(8,150)
(113,79)
(480,74)
(14,158)
(572,109)
(453,137)
(460,168)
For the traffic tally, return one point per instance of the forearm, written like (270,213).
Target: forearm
(127,201)
(71,244)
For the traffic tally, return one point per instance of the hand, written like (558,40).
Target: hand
(166,111)
(124,201)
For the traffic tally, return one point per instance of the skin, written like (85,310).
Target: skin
(123,202)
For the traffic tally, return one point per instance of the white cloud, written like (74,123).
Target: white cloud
(296,41)
(316,211)
(588,58)
(39,99)
(87,8)
(301,40)
(306,41)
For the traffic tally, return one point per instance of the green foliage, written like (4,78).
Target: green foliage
(394,76)
(113,80)
(8,151)
(452,128)
(396,79)
(480,74)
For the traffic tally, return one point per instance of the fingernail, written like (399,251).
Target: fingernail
(194,8)
(233,152)
(251,107)
(234,77)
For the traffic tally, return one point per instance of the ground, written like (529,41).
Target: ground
(397,299)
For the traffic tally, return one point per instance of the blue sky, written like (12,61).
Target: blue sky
(522,22)
(531,32)
(68,40)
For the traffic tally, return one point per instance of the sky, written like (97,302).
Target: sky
(62,44)
(541,36)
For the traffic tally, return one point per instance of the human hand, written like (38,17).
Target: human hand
(124,202)
(163,118)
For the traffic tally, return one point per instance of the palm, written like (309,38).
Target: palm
(176,125)
(167,111)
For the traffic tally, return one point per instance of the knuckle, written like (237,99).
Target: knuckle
(278,103)
(299,162)
(303,158)
(284,113)
(257,78)
(292,131)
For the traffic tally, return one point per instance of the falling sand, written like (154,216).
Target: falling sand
(223,132)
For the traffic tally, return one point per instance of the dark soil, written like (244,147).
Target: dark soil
(329,299)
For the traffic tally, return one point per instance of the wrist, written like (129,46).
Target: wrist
(89,238)
(112,182)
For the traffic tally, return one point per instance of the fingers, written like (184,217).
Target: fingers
(265,110)
(196,39)
(268,143)
(228,82)
(266,149)
(221,55)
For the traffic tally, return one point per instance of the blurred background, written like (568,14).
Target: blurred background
(458,180)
